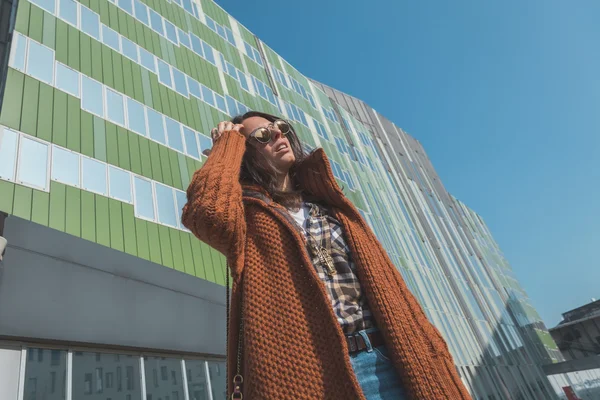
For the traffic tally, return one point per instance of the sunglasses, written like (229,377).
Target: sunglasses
(265,134)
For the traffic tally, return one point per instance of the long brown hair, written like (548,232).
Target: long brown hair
(258,170)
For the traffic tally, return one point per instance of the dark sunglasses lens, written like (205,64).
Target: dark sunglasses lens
(263,135)
(282,126)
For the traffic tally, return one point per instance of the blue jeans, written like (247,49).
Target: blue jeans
(376,375)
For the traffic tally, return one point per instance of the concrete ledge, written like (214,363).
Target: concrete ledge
(581,364)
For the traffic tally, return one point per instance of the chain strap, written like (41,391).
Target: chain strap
(238,379)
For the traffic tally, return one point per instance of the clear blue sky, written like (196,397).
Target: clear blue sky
(505,98)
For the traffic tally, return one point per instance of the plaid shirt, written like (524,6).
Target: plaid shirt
(349,304)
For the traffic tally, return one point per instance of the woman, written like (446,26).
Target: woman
(318,310)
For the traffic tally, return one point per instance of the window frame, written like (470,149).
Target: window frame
(81,161)
(81,79)
(28,60)
(123,107)
(20,157)
(56,68)
(77,14)
(152,197)
(130,184)
(13,177)
(60,148)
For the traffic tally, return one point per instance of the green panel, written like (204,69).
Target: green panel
(177,251)
(49,31)
(102,221)
(103,11)
(155,161)
(36,24)
(22,20)
(6,200)
(58,201)
(85,53)
(73,124)
(44,120)
(87,134)
(123,142)
(207,262)
(165,163)
(116,225)
(138,86)
(128,78)
(99,139)
(112,151)
(73,59)
(219,266)
(59,119)
(198,259)
(146,157)
(113,17)
(107,72)
(134,153)
(154,243)
(22,202)
(73,217)
(147,92)
(96,60)
(29,114)
(183,170)
(11,110)
(141,234)
(186,250)
(40,208)
(88,216)
(175,173)
(129,229)
(118,71)
(165,246)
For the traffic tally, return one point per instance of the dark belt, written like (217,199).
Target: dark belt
(356,342)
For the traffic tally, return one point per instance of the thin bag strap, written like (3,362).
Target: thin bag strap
(238,380)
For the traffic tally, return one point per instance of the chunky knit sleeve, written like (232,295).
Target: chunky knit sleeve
(214,211)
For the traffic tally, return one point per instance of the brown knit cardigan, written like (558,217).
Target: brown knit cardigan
(293,346)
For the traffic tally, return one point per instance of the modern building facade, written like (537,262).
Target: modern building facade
(106,107)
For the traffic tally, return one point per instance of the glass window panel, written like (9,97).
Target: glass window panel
(65,166)
(120,184)
(221,31)
(93,175)
(210,23)
(184,38)
(144,201)
(231,70)
(148,60)
(229,35)
(136,118)
(174,134)
(221,103)
(208,53)
(163,378)
(248,48)
(187,5)
(47,5)
(114,107)
(8,153)
(197,45)
(165,205)
(205,142)
(68,11)
(243,81)
(180,82)
(164,73)
(156,126)
(126,5)
(45,374)
(218,377)
(129,49)
(121,374)
(171,32)
(196,379)
(231,105)
(90,22)
(40,63)
(156,22)
(141,11)
(110,38)
(208,95)
(257,57)
(91,96)
(17,56)
(190,142)
(67,79)
(194,87)
(33,163)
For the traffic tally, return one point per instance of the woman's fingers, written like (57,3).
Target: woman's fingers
(222,127)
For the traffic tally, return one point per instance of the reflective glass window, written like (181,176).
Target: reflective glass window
(194,87)
(148,60)
(156,22)
(258,58)
(208,95)
(243,80)
(171,32)
(174,134)
(184,38)
(45,374)
(106,376)
(67,79)
(231,105)
(163,378)
(119,184)
(40,63)
(126,5)
(221,103)
(218,376)
(91,96)
(165,205)
(110,38)
(68,11)
(208,53)
(180,82)
(187,5)
(205,142)
(65,166)
(221,31)
(190,142)
(229,35)
(33,163)
(144,201)
(141,11)
(197,45)
(249,51)
(8,153)
(47,5)
(311,99)
(156,126)
(115,110)
(210,23)
(17,56)
(231,70)
(196,379)
(136,118)
(164,73)
(90,22)
(129,49)
(93,175)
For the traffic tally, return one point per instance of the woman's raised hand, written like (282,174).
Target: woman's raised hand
(223,127)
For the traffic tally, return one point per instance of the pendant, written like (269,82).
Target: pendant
(327,261)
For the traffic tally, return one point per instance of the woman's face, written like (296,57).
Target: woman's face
(278,151)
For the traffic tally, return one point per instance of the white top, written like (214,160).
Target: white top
(301,215)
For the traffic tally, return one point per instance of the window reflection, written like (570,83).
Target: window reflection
(40,62)
(33,163)
(136,117)
(141,11)
(171,32)
(205,143)
(196,379)
(91,96)
(8,153)
(208,95)
(65,166)
(148,60)
(45,374)
(221,103)
(17,60)
(194,87)
(184,38)
(208,53)
(180,199)
(68,11)
(180,82)
(120,184)
(144,204)
(165,205)
(156,22)
(47,5)
(67,79)
(90,22)
(164,73)
(110,38)
(217,373)
(190,142)
(156,126)
(114,107)
(129,49)
(163,378)
(93,175)
(197,45)
(174,134)
(126,5)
